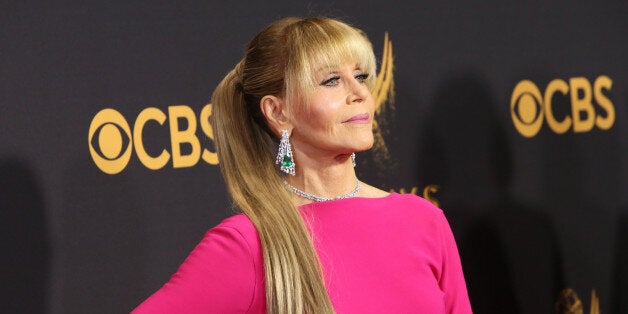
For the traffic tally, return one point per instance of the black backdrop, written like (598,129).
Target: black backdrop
(533,215)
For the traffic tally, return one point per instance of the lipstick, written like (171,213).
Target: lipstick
(359,118)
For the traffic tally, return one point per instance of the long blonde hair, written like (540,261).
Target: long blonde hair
(281,61)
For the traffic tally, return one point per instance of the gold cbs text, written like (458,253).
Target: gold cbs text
(529,107)
(109,131)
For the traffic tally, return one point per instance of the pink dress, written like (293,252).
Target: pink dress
(394,254)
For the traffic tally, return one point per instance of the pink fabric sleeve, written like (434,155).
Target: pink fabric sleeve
(452,281)
(219,276)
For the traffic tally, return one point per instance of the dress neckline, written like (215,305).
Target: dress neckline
(350,199)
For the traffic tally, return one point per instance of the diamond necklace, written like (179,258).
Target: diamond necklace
(317,198)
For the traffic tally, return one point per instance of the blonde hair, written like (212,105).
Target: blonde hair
(282,61)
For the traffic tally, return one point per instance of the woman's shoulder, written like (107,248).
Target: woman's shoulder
(414,200)
(229,257)
(238,223)
(415,205)
(410,201)
(369,191)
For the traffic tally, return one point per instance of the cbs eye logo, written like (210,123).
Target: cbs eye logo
(529,107)
(107,148)
(111,141)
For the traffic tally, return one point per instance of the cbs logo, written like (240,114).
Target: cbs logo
(529,107)
(111,140)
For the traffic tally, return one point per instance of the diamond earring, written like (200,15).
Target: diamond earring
(284,155)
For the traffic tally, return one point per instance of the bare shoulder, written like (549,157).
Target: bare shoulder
(371,191)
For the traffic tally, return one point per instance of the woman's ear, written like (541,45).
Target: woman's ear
(274,110)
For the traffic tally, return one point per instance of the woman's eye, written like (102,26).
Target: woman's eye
(362,77)
(333,81)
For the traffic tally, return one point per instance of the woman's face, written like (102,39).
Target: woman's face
(338,118)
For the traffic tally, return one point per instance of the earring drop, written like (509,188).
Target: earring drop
(284,155)
(353,159)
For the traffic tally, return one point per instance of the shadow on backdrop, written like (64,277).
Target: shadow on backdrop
(104,244)
(620,272)
(619,292)
(24,262)
(509,251)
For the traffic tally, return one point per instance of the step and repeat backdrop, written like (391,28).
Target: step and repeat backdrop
(511,116)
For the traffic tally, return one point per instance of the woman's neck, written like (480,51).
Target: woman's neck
(324,177)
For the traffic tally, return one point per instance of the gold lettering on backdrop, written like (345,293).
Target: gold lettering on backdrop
(568,302)
(109,131)
(146,115)
(413,190)
(582,109)
(384,90)
(185,136)
(604,83)
(209,156)
(554,86)
(529,107)
(428,192)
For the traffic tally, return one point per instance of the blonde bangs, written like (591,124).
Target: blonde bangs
(317,43)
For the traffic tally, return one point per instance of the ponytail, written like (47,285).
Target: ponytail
(280,61)
(294,282)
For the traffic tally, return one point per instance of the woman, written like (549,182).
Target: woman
(312,238)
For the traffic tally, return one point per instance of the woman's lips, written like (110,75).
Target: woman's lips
(359,118)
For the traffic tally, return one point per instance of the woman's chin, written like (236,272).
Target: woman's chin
(360,147)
